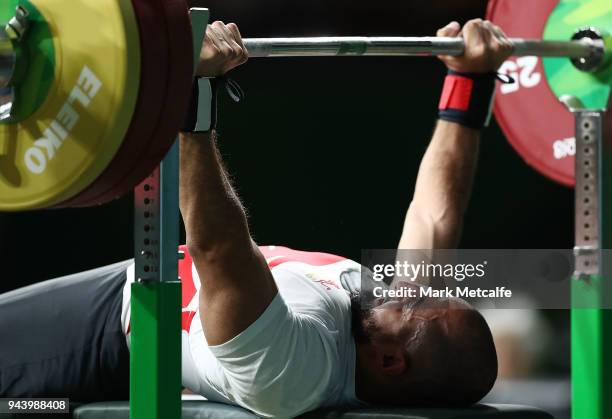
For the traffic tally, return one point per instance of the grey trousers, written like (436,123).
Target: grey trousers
(63,338)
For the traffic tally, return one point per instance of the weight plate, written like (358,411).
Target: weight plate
(179,83)
(536,124)
(66,143)
(36,63)
(153,50)
(593,89)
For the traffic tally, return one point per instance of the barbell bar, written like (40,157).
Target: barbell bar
(61,147)
(410,46)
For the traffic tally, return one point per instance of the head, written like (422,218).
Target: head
(428,352)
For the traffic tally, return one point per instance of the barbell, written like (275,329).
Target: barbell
(92,94)
(590,49)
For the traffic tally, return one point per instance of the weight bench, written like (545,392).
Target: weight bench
(209,410)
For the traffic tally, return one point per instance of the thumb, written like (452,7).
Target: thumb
(450,30)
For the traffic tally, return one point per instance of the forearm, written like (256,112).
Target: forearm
(446,175)
(443,188)
(211,210)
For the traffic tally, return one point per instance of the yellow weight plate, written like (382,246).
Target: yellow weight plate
(69,141)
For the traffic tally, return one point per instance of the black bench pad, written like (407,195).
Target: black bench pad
(208,410)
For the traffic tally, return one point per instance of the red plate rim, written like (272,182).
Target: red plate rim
(149,106)
(506,127)
(179,84)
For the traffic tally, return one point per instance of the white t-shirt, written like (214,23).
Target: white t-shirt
(299,355)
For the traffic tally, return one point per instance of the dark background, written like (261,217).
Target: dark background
(324,152)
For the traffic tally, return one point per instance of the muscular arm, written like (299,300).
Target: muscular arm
(444,183)
(435,217)
(237,285)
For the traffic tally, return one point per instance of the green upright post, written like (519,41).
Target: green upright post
(155,371)
(591,364)
(155,355)
(591,289)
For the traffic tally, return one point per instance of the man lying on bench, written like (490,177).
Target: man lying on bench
(277,331)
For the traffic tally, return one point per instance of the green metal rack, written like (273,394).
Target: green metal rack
(155,354)
(591,318)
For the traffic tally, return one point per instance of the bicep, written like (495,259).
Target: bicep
(236,288)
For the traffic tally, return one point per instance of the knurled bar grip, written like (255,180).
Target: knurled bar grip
(407,46)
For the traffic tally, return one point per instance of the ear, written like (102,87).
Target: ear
(392,359)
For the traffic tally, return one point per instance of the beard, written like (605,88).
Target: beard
(359,316)
(365,329)
(360,284)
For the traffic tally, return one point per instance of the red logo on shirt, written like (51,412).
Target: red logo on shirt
(328,284)
(275,255)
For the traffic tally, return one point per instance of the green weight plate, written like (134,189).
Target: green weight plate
(36,63)
(564,79)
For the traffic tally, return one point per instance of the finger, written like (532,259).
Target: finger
(229,38)
(488,27)
(238,52)
(496,30)
(235,55)
(236,33)
(491,40)
(497,36)
(212,38)
(238,38)
(505,42)
(472,32)
(227,34)
(224,34)
(238,43)
(223,42)
(219,29)
(450,30)
(448,60)
(486,33)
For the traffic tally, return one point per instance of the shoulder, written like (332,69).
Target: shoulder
(285,364)
(298,376)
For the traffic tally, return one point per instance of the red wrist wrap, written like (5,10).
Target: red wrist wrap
(457,93)
(467,99)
